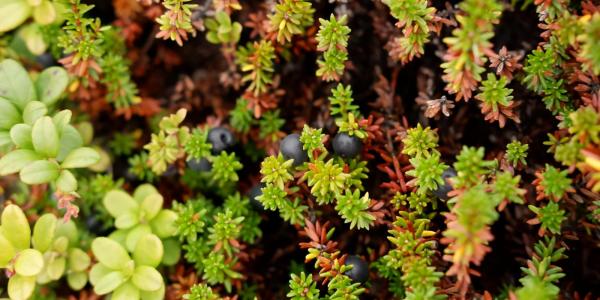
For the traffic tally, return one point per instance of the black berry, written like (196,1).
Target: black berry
(199,164)
(346,146)
(45,60)
(221,139)
(360,269)
(442,190)
(170,171)
(291,148)
(255,192)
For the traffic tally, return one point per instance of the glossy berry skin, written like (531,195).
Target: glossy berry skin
(442,191)
(346,146)
(221,139)
(255,192)
(291,148)
(199,164)
(360,269)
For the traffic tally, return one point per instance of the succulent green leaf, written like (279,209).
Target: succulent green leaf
(69,230)
(110,253)
(15,227)
(30,262)
(109,283)
(154,295)
(81,158)
(97,272)
(45,13)
(13,13)
(172,252)
(61,119)
(33,111)
(7,251)
(77,280)
(69,141)
(118,202)
(40,171)
(10,114)
(148,251)
(4,138)
(79,261)
(20,135)
(15,84)
(163,225)
(20,287)
(16,160)
(126,291)
(143,191)
(147,278)
(151,206)
(126,220)
(66,182)
(55,268)
(135,235)
(33,38)
(43,232)
(45,137)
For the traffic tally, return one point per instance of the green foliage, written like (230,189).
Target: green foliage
(269,125)
(221,30)
(341,103)
(45,148)
(590,42)
(420,142)
(122,143)
(494,93)
(341,287)
(275,171)
(585,125)
(516,152)
(471,167)
(176,22)
(506,187)
(256,60)
(201,291)
(555,182)
(291,17)
(303,288)
(332,39)
(312,139)
(224,168)
(427,172)
(541,276)
(538,69)
(197,145)
(167,145)
(138,166)
(550,217)
(327,180)
(354,209)
(241,116)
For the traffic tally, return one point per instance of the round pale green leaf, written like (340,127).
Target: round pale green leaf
(163,225)
(61,119)
(110,253)
(172,252)
(126,291)
(44,13)
(10,115)
(117,202)
(120,236)
(7,251)
(77,280)
(127,220)
(51,83)
(33,111)
(97,272)
(20,287)
(134,235)
(78,260)
(4,138)
(147,278)
(69,141)
(69,230)
(104,163)
(148,251)
(143,191)
(60,245)
(43,232)
(66,182)
(81,158)
(154,295)
(15,227)
(109,283)
(40,171)
(56,268)
(15,161)
(30,262)
(33,38)
(86,130)
(13,13)
(15,84)
(151,206)
(45,137)
(20,134)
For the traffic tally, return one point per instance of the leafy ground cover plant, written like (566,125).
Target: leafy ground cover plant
(299,149)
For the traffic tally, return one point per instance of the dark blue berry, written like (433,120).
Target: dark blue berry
(221,139)
(291,148)
(170,171)
(45,60)
(442,190)
(255,192)
(199,164)
(346,146)
(360,269)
